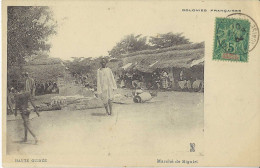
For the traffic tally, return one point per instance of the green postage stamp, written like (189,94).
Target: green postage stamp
(231,39)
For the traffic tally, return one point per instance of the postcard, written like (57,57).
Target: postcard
(130,83)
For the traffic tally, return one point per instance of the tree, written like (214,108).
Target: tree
(167,40)
(28,29)
(80,66)
(129,44)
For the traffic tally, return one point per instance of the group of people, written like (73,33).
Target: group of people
(46,88)
(157,80)
(39,88)
(105,87)
(105,83)
(131,80)
(160,80)
(18,98)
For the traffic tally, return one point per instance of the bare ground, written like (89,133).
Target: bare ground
(165,125)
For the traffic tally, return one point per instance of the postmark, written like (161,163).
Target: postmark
(231,39)
(254,29)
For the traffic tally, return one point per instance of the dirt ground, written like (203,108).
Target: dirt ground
(166,124)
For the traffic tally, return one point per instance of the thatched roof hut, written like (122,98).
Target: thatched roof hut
(182,58)
(45,69)
(115,65)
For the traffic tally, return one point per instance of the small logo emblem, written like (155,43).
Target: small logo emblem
(192,147)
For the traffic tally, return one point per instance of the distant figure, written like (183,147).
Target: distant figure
(135,80)
(10,101)
(85,81)
(50,86)
(122,81)
(106,84)
(156,80)
(42,88)
(181,75)
(29,84)
(55,88)
(46,85)
(37,90)
(22,98)
(164,79)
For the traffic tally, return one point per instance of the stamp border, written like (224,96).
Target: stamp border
(226,60)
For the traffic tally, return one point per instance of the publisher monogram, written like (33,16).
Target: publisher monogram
(192,147)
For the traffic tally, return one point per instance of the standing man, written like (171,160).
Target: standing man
(22,98)
(164,79)
(29,84)
(106,84)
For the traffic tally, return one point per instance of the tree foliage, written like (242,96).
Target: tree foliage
(28,29)
(168,40)
(80,66)
(132,43)
(129,44)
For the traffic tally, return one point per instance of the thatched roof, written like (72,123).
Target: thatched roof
(44,61)
(115,65)
(173,58)
(45,69)
(43,73)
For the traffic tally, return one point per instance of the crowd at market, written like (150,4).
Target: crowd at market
(156,80)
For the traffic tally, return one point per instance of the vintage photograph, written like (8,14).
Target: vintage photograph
(104,81)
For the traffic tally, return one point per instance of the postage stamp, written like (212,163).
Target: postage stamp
(231,39)
(254,29)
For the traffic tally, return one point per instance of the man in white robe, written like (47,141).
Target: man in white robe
(106,84)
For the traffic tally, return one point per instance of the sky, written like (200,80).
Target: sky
(92,29)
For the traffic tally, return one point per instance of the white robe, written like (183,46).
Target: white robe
(105,84)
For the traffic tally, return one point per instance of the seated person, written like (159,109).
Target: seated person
(55,88)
